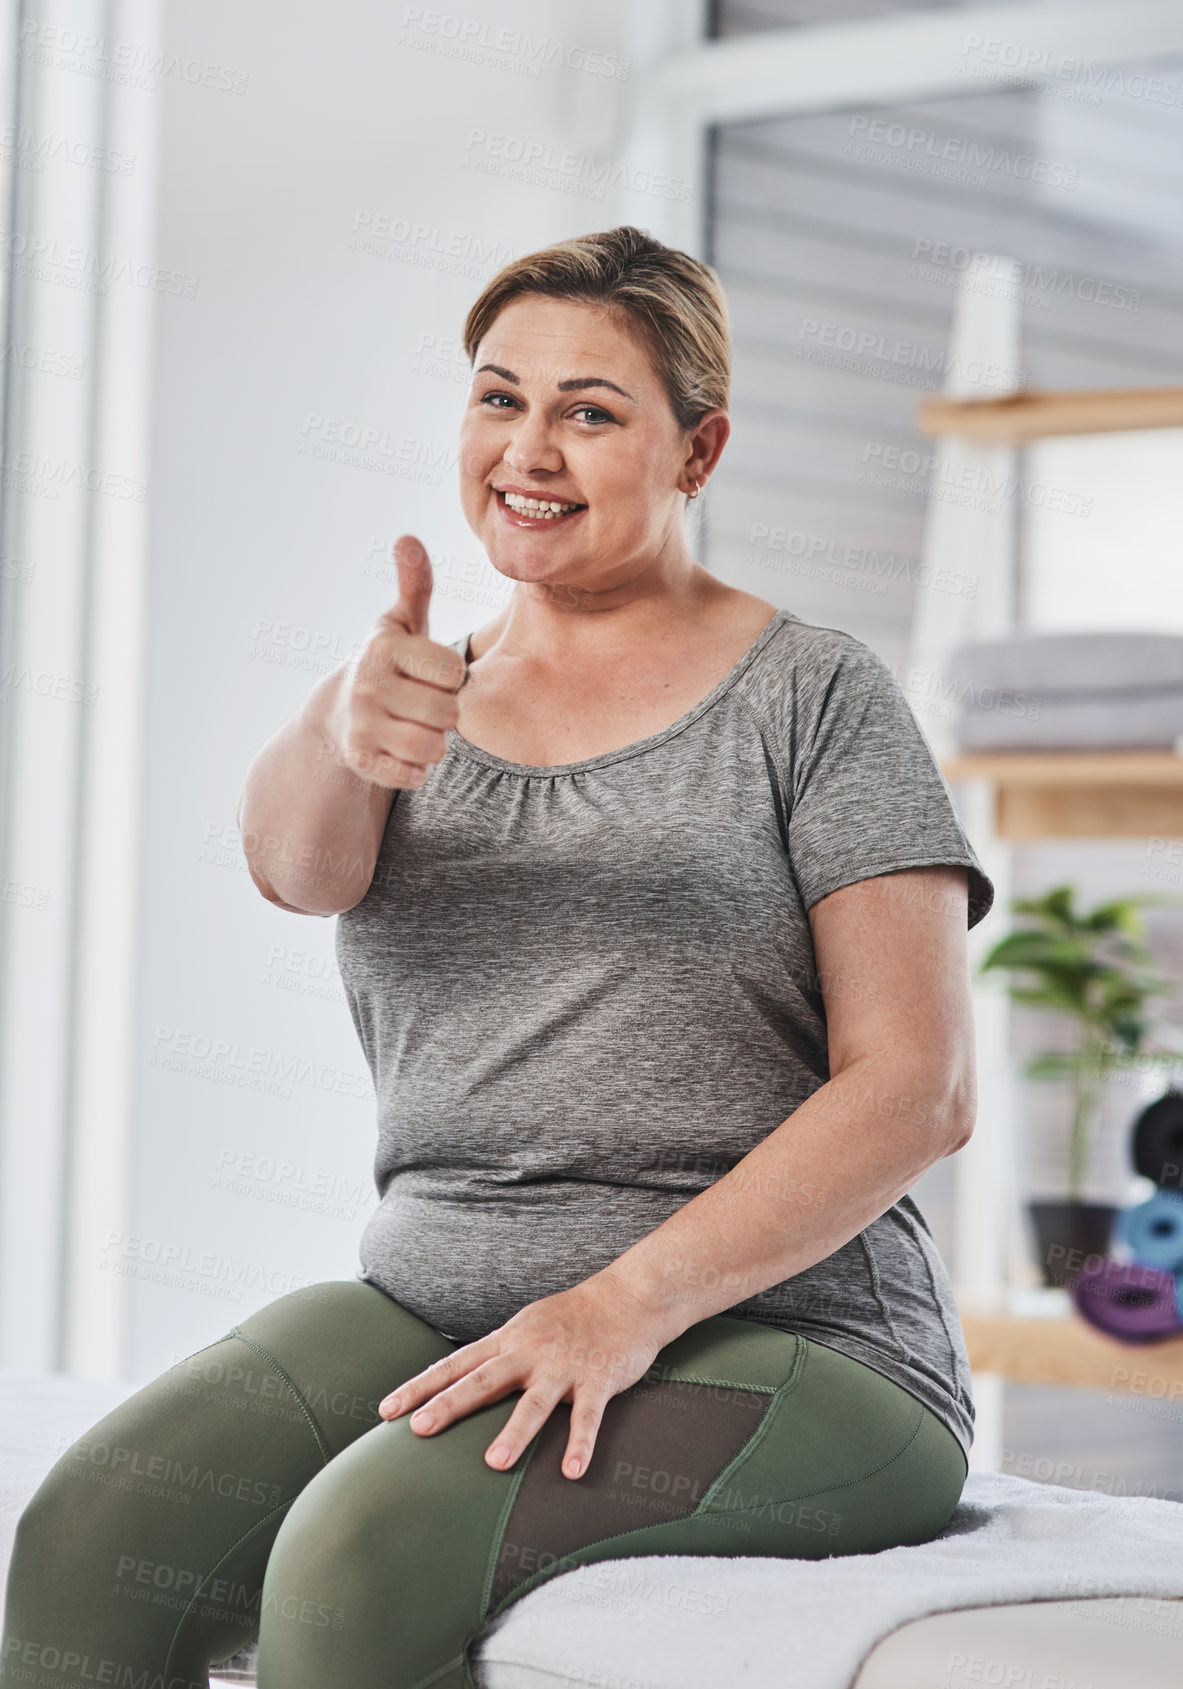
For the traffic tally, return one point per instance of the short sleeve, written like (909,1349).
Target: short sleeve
(867,795)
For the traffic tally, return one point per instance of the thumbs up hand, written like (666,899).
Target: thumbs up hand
(398,697)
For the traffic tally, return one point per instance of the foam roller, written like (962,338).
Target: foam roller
(1157,1144)
(1153,1231)
(1126,1300)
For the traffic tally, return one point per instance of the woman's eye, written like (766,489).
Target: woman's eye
(590,415)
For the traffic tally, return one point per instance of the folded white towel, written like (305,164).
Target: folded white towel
(695,1623)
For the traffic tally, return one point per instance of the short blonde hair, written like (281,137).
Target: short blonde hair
(675,303)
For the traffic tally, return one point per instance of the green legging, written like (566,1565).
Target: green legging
(252,1491)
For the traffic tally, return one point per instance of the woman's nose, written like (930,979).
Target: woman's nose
(532,446)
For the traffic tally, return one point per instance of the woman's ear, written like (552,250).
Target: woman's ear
(705,445)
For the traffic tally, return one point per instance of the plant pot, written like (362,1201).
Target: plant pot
(1067,1234)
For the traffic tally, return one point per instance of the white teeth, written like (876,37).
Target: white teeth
(547,509)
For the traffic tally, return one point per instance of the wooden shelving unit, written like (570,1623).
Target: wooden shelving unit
(1031,415)
(1068,795)
(1068,1352)
(1060,795)
(1079,794)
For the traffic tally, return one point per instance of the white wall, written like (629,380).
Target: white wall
(269,561)
(1120,568)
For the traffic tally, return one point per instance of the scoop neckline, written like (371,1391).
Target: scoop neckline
(475,753)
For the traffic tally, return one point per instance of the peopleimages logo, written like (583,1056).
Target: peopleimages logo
(44,258)
(335,439)
(897,143)
(868,352)
(479,42)
(32,150)
(935,475)
(543,165)
(427,246)
(32,471)
(224,1058)
(44,361)
(65,688)
(937,695)
(127,62)
(1024,65)
(817,556)
(943,259)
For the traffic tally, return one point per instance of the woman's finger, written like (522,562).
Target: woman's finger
(379,734)
(526,1420)
(431,1380)
(407,700)
(586,1414)
(486,1383)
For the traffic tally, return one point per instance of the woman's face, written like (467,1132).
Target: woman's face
(566,408)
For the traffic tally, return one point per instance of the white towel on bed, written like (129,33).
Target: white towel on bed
(693,1623)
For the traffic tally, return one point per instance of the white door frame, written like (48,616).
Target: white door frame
(74,632)
(678,96)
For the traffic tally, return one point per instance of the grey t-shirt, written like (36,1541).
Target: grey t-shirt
(586,992)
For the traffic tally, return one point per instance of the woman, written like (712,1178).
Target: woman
(652,913)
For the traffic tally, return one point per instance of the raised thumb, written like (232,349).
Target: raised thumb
(413,568)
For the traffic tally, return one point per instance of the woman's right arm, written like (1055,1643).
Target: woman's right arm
(317,797)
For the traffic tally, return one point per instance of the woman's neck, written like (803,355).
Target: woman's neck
(564,621)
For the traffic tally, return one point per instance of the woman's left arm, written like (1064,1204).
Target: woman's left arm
(893,971)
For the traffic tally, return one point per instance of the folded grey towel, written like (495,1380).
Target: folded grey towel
(1073,662)
(1068,691)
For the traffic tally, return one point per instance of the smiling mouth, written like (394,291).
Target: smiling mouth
(528,510)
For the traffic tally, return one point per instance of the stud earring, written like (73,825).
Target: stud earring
(697,490)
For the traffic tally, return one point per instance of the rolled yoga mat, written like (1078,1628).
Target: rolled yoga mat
(1157,1146)
(1126,1300)
(1153,1231)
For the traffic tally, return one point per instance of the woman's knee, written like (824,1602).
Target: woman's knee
(390,1546)
(43,1525)
(64,1564)
(318,1553)
(69,1516)
(347,1519)
(337,1565)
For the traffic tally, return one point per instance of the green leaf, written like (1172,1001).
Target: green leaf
(1037,950)
(1122,915)
(1096,967)
(1053,1064)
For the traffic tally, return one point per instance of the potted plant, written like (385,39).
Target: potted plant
(1094,967)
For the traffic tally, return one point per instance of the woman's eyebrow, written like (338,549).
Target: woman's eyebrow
(573,386)
(593,381)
